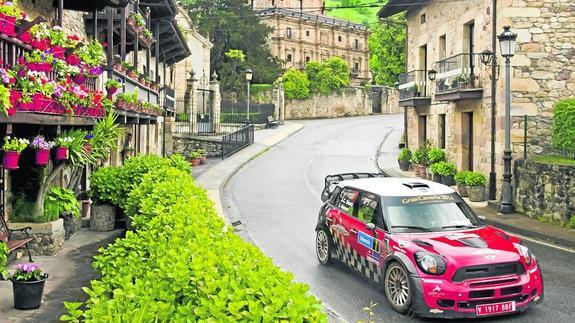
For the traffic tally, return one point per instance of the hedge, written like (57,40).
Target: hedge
(564,125)
(182,264)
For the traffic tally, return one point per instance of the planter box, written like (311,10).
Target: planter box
(476,193)
(48,237)
(71,225)
(102,217)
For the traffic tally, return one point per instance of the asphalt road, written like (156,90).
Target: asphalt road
(276,197)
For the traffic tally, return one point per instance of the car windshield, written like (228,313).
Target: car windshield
(428,217)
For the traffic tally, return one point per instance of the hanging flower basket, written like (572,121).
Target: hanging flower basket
(42,157)
(111,91)
(10,160)
(61,153)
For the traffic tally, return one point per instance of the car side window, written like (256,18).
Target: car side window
(367,207)
(335,195)
(346,201)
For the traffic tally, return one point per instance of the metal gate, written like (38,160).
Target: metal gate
(205,115)
(376,99)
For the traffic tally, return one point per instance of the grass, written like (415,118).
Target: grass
(366,16)
(554,159)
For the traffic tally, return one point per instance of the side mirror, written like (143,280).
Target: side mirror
(324,195)
(370,226)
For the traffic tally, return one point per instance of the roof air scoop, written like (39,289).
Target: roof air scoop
(413,185)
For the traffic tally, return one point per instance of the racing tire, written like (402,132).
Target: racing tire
(397,288)
(323,246)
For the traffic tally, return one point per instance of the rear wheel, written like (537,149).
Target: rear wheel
(397,289)
(322,247)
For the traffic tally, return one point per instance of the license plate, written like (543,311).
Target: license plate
(487,309)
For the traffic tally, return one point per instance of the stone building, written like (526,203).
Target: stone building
(455,110)
(303,35)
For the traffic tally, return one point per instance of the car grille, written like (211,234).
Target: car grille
(491,270)
(474,303)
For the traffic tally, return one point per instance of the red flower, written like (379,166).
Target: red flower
(32,78)
(74,37)
(104,44)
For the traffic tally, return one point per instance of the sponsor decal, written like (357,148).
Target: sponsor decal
(436,292)
(432,281)
(456,236)
(437,289)
(435,311)
(373,256)
(427,199)
(340,229)
(365,239)
(398,249)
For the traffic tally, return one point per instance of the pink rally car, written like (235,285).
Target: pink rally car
(418,239)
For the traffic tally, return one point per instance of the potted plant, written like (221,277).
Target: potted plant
(460,179)
(446,170)
(9,13)
(132,73)
(404,159)
(435,155)
(196,158)
(28,286)
(58,40)
(142,78)
(88,144)
(118,63)
(435,169)
(417,161)
(40,36)
(62,145)
(12,148)
(421,159)
(63,203)
(92,53)
(112,86)
(202,152)
(475,183)
(43,148)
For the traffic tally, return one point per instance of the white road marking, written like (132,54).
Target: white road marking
(550,245)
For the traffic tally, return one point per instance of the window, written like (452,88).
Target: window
(307,59)
(288,57)
(430,216)
(422,129)
(356,45)
(347,199)
(307,32)
(273,3)
(442,47)
(339,38)
(422,18)
(356,66)
(367,207)
(441,128)
(288,32)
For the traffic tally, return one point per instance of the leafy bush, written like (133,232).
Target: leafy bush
(182,264)
(296,84)
(61,200)
(404,155)
(571,223)
(564,125)
(330,76)
(444,168)
(420,154)
(461,177)
(435,155)
(475,179)
(3,258)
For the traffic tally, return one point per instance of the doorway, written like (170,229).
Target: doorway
(467,140)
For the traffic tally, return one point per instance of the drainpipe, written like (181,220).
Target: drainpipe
(60,12)
(492,173)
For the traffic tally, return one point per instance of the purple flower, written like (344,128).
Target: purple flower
(95,70)
(89,136)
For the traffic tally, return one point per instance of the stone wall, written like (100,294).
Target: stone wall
(48,237)
(351,102)
(185,144)
(390,101)
(545,190)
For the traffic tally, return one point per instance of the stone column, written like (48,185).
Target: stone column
(216,101)
(170,129)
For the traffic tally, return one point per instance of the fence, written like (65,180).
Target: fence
(237,140)
(238,110)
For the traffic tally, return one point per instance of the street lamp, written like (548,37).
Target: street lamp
(486,56)
(249,74)
(507,44)
(432,74)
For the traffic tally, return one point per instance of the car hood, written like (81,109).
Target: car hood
(485,245)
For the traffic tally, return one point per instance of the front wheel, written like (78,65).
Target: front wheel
(397,288)
(322,247)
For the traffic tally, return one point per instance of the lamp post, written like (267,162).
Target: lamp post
(507,43)
(249,74)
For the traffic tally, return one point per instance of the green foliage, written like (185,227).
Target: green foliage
(296,84)
(461,177)
(554,159)
(443,168)
(420,155)
(183,264)
(404,155)
(571,223)
(360,11)
(564,125)
(387,49)
(15,144)
(61,200)
(435,155)
(91,53)
(5,103)
(330,76)
(475,179)
(236,54)
(3,258)
(106,134)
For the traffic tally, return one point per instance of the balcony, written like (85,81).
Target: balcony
(413,90)
(458,78)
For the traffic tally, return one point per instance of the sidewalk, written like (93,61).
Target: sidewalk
(515,222)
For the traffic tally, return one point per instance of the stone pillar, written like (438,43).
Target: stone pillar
(279,103)
(216,101)
(170,129)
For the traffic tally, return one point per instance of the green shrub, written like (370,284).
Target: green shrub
(444,168)
(434,168)
(564,125)
(3,258)
(461,177)
(420,154)
(61,200)
(404,155)
(571,223)
(183,264)
(475,179)
(435,155)
(296,84)
(332,75)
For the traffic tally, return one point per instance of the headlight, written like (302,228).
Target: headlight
(430,263)
(524,252)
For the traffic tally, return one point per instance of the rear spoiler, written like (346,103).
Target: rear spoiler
(331,180)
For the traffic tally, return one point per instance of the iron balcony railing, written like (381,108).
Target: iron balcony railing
(168,99)
(413,84)
(237,140)
(459,72)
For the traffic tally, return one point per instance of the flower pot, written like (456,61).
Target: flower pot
(476,193)
(58,51)
(462,189)
(41,44)
(403,165)
(73,59)
(28,294)
(10,160)
(61,153)
(203,160)
(40,67)
(121,104)
(447,180)
(25,37)
(42,157)
(422,171)
(436,178)
(133,75)
(111,91)
(416,169)
(41,103)
(79,79)
(196,162)
(88,147)
(86,206)
(8,25)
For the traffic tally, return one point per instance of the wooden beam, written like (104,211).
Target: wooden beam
(110,52)
(46,119)
(123,33)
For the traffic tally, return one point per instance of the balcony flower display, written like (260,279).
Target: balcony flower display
(58,41)
(40,36)
(12,148)
(9,13)
(42,147)
(62,145)
(5,102)
(92,53)
(39,61)
(112,86)
(136,21)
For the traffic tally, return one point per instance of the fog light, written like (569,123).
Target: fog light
(445,302)
(533,292)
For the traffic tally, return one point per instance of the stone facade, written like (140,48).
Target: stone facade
(351,102)
(389,98)
(185,144)
(103,217)
(300,37)
(48,237)
(545,190)
(543,71)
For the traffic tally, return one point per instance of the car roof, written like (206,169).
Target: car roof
(393,186)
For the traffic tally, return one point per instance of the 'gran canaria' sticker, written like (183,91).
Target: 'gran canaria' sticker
(427,199)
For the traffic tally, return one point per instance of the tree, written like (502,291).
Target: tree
(296,84)
(231,24)
(387,47)
(329,76)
